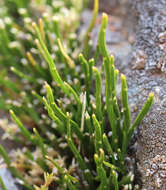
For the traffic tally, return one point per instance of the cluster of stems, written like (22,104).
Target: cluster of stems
(96,130)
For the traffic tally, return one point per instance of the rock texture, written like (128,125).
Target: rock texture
(8,180)
(107,5)
(151,32)
(148,54)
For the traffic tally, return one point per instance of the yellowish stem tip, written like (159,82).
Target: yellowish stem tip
(40,21)
(93,115)
(12,68)
(36,41)
(68,114)
(104,135)
(44,99)
(65,177)
(48,158)
(112,57)
(101,151)
(31,59)
(123,77)
(94,69)
(46,84)
(113,172)
(104,16)
(34,24)
(34,130)
(117,71)
(80,55)
(151,94)
(96,156)
(11,112)
(28,54)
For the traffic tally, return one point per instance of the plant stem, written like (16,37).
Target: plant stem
(90,28)
(141,115)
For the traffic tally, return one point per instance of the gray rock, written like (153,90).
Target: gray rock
(150,33)
(150,38)
(106,5)
(8,180)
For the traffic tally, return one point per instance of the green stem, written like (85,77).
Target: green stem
(108,147)
(141,115)
(101,40)
(109,101)
(2,184)
(98,134)
(60,126)
(40,142)
(77,155)
(22,75)
(115,180)
(69,183)
(126,109)
(49,60)
(101,172)
(98,94)
(5,155)
(69,61)
(90,28)
(24,131)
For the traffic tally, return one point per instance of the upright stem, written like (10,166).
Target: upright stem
(90,28)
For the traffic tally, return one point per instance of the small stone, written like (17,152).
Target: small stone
(139,60)
(8,180)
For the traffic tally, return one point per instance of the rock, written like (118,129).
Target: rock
(8,180)
(150,34)
(106,5)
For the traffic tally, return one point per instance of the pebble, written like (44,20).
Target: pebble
(8,180)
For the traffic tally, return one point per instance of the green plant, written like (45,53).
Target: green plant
(82,142)
(59,19)
(86,46)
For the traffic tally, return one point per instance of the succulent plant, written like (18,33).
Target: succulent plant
(74,135)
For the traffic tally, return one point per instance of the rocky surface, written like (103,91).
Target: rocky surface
(108,6)
(151,33)
(149,52)
(8,180)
